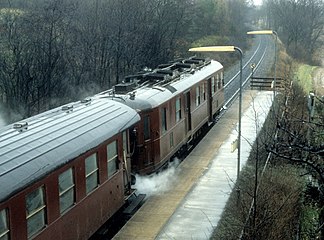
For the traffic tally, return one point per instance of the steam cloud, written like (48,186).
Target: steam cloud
(2,121)
(158,183)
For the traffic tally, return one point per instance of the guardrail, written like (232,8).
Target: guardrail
(266,83)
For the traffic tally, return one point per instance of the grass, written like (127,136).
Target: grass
(309,222)
(304,77)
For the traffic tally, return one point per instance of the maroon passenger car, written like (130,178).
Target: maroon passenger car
(175,102)
(63,173)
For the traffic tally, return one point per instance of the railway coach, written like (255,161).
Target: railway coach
(176,102)
(65,172)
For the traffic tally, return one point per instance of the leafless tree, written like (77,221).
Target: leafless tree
(269,200)
(55,51)
(298,139)
(300,23)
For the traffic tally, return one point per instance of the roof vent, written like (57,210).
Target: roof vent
(123,88)
(157,77)
(193,61)
(181,67)
(165,71)
(134,78)
(67,108)
(21,126)
(165,65)
(132,95)
(198,59)
(86,101)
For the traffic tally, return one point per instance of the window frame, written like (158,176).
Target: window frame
(111,158)
(36,211)
(203,91)
(146,127)
(6,231)
(219,81)
(178,109)
(222,78)
(198,100)
(164,124)
(125,141)
(66,190)
(92,172)
(213,85)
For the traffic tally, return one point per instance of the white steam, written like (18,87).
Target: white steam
(2,121)
(158,183)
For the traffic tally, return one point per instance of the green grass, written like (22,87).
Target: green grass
(309,222)
(304,77)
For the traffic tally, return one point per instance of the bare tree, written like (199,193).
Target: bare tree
(300,24)
(300,137)
(55,51)
(269,200)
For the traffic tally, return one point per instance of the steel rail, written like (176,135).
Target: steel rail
(247,62)
(229,101)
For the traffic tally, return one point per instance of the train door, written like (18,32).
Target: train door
(126,162)
(210,98)
(188,111)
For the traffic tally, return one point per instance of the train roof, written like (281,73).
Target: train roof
(152,95)
(34,147)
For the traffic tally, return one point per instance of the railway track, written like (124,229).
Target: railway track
(260,55)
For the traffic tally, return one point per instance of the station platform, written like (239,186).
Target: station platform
(202,183)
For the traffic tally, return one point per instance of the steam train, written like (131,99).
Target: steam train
(65,172)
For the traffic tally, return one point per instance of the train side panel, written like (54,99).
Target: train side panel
(167,128)
(199,113)
(92,212)
(217,91)
(88,212)
(64,175)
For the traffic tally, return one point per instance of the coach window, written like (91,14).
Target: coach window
(164,119)
(178,109)
(125,145)
(216,83)
(222,78)
(213,85)
(91,172)
(66,186)
(35,211)
(112,158)
(219,82)
(4,226)
(198,96)
(203,92)
(147,128)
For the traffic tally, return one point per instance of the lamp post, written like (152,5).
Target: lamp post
(269,32)
(229,49)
